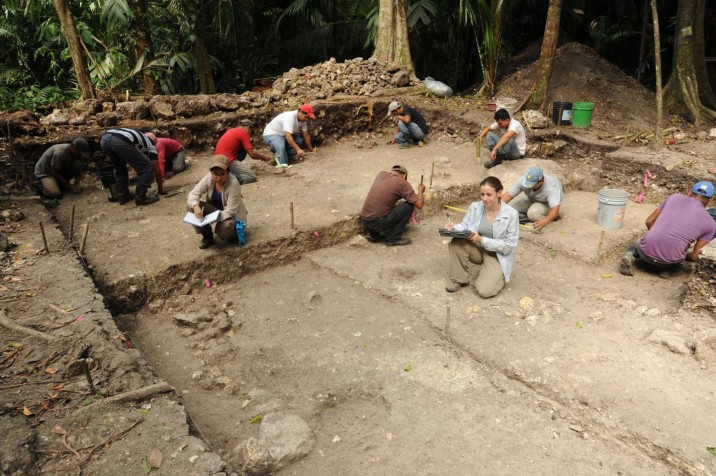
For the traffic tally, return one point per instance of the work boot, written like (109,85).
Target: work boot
(208,238)
(399,242)
(626,265)
(124,194)
(141,198)
(374,237)
(114,192)
(491,163)
(454,287)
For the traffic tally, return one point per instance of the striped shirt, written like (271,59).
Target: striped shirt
(138,139)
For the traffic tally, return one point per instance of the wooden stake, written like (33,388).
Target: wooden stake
(84,239)
(421,179)
(85,368)
(626,137)
(44,239)
(599,246)
(72,224)
(432,171)
(446,329)
(293,226)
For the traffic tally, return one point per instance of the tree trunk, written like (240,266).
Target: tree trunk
(143,46)
(642,46)
(538,97)
(69,28)
(687,88)
(391,43)
(657,72)
(206,76)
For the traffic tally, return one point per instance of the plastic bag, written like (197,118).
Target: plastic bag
(437,88)
(241,231)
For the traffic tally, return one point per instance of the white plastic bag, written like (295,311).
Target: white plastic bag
(437,88)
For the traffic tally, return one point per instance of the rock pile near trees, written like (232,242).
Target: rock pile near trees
(355,77)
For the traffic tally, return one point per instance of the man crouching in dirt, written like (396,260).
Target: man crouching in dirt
(60,167)
(679,221)
(384,219)
(411,125)
(506,139)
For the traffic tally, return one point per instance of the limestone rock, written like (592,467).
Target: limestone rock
(106,119)
(161,109)
(705,347)
(57,118)
(252,458)
(400,79)
(218,354)
(227,102)
(193,106)
(133,109)
(87,107)
(286,437)
(193,319)
(674,342)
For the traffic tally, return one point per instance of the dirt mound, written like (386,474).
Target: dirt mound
(580,74)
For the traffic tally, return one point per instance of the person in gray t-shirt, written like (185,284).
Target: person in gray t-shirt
(60,167)
(539,200)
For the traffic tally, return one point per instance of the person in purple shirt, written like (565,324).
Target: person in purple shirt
(678,222)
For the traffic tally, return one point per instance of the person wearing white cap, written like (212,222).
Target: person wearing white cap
(537,197)
(218,190)
(674,226)
(287,133)
(411,125)
(60,167)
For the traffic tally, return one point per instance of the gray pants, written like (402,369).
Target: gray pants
(242,172)
(463,252)
(178,161)
(529,210)
(509,150)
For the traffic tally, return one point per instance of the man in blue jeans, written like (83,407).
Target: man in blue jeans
(411,125)
(505,138)
(287,133)
(127,146)
(382,217)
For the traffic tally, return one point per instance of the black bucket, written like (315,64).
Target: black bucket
(563,109)
(106,175)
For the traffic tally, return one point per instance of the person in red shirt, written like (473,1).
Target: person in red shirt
(235,144)
(170,151)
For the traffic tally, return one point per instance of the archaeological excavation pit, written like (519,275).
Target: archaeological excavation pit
(312,351)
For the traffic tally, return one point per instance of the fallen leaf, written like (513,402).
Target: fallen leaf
(711,450)
(606,276)
(51,370)
(155,458)
(58,386)
(255,419)
(15,345)
(408,368)
(527,303)
(579,325)
(27,412)
(145,467)
(57,429)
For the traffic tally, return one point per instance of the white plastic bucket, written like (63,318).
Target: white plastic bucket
(506,103)
(612,205)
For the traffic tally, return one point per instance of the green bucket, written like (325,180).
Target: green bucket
(582,114)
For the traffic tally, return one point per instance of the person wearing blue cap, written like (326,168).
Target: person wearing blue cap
(537,197)
(674,226)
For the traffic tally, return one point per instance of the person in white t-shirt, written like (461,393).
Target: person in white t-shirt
(287,133)
(540,196)
(505,138)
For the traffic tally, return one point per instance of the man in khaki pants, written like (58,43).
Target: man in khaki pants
(537,197)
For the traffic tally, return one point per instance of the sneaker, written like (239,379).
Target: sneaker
(206,242)
(626,264)
(491,163)
(373,238)
(406,145)
(454,287)
(421,143)
(399,242)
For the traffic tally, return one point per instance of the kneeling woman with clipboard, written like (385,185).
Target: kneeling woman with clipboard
(494,232)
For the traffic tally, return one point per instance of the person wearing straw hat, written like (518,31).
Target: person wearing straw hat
(411,125)
(218,190)
(60,167)
(674,226)
(235,144)
(537,197)
(505,138)
(287,134)
(384,215)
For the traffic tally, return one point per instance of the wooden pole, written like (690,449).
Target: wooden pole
(293,226)
(72,224)
(421,179)
(432,171)
(657,73)
(88,376)
(599,246)
(84,239)
(44,239)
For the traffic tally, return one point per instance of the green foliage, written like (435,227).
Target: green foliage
(33,97)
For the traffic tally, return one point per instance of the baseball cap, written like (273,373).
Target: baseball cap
(81,144)
(308,109)
(392,107)
(219,161)
(399,168)
(704,188)
(247,122)
(533,175)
